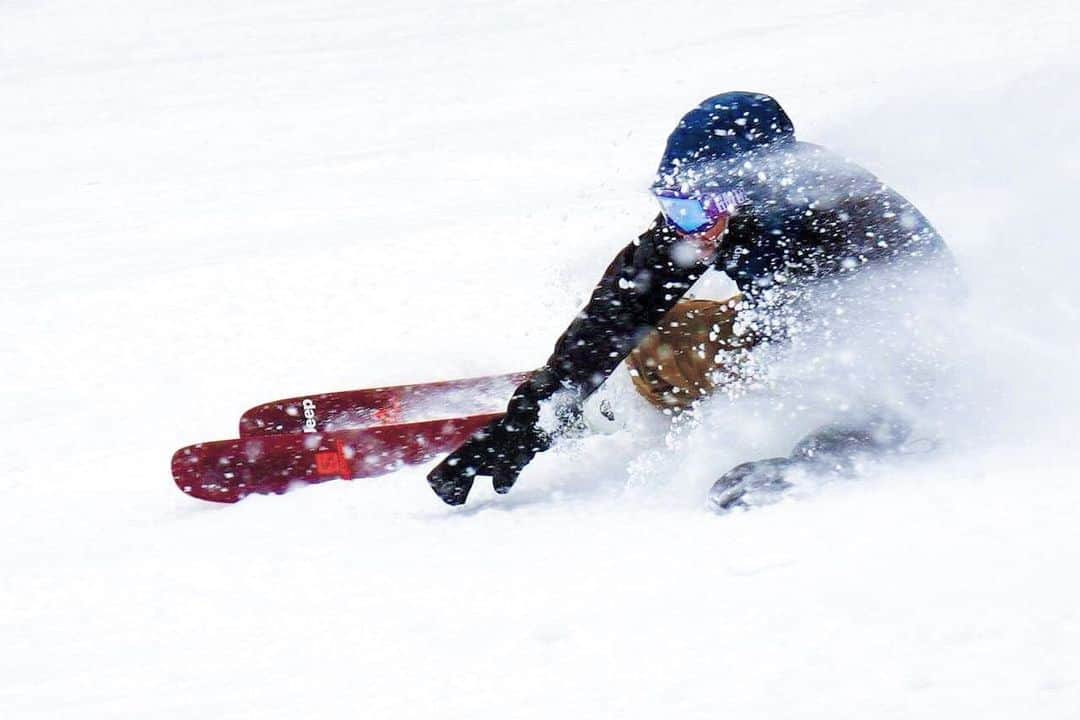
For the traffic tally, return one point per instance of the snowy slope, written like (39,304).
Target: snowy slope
(204,205)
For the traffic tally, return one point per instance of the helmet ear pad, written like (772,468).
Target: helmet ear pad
(693,351)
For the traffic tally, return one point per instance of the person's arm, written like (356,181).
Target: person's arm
(640,285)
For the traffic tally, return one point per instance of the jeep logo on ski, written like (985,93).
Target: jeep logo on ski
(309,415)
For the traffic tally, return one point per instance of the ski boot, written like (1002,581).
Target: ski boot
(753,483)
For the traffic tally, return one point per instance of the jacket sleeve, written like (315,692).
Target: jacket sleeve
(641,284)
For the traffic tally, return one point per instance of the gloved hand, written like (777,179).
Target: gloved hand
(501,451)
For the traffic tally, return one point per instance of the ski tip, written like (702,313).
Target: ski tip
(270,418)
(194,478)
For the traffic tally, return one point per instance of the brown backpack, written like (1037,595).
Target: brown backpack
(693,351)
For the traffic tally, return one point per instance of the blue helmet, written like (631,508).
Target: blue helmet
(721,132)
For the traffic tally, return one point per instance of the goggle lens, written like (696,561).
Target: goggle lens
(687,214)
(695,214)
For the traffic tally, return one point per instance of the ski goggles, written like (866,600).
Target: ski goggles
(698,213)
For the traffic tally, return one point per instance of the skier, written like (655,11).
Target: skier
(789,222)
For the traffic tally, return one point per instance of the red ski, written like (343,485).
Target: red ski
(371,407)
(342,435)
(229,470)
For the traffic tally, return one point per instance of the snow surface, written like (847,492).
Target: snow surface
(205,205)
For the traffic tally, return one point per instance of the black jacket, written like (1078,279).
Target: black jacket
(811,217)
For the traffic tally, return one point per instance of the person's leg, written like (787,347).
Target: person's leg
(834,449)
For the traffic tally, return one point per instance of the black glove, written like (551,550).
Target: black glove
(501,450)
